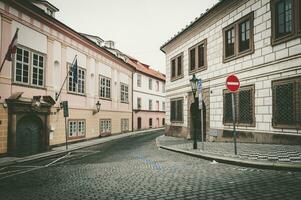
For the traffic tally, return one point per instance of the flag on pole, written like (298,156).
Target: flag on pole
(12,47)
(74,71)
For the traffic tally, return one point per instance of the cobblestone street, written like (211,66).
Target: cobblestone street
(134,168)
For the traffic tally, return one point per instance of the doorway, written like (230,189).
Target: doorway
(28,136)
(139,123)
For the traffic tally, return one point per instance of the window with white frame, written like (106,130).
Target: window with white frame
(124,125)
(150,104)
(105,126)
(157,86)
(139,80)
(29,67)
(139,103)
(124,90)
(150,84)
(77,128)
(104,87)
(78,88)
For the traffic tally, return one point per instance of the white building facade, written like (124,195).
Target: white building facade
(259,42)
(148,97)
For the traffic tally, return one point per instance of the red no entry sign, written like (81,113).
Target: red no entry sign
(232,83)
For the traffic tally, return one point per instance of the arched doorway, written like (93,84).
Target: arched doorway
(29,137)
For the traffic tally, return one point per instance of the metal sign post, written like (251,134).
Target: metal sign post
(64,105)
(201,109)
(233,85)
(234,122)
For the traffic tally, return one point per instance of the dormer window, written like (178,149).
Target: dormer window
(50,12)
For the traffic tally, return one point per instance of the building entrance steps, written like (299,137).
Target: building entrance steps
(249,154)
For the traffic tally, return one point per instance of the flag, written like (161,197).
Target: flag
(74,71)
(12,47)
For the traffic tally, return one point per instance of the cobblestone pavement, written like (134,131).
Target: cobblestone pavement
(262,152)
(133,168)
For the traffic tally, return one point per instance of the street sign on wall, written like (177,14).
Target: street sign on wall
(232,83)
(200,94)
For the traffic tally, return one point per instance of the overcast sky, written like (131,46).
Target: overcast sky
(138,27)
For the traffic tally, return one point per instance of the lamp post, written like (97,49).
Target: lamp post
(193,83)
(98,104)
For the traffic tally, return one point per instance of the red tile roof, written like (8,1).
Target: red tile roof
(145,69)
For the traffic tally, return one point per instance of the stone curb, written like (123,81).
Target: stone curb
(78,146)
(235,161)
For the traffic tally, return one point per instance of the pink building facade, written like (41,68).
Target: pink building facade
(29,84)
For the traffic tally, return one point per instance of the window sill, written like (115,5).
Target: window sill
(239,55)
(27,85)
(239,124)
(105,99)
(283,39)
(197,70)
(78,94)
(177,78)
(76,137)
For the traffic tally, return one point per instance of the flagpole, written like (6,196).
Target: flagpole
(57,95)
(10,45)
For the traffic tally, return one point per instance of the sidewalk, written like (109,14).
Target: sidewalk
(254,155)
(5,161)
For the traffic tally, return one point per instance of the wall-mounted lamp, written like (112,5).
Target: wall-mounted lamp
(98,104)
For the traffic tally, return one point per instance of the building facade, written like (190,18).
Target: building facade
(148,96)
(31,120)
(259,42)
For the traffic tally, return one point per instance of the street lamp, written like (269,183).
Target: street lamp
(193,83)
(98,104)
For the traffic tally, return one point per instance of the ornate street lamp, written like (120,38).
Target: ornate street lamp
(98,104)
(193,83)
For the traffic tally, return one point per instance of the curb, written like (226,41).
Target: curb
(55,153)
(234,161)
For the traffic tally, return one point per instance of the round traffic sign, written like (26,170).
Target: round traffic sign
(232,83)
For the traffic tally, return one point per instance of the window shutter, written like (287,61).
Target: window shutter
(245,107)
(228,117)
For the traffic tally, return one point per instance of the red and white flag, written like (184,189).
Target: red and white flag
(12,49)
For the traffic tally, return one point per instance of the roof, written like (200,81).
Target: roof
(193,23)
(145,69)
(46,2)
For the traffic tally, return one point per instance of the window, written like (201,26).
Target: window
(138,80)
(163,121)
(244,107)
(150,104)
(105,126)
(287,103)
(238,38)
(176,67)
(163,87)
(158,106)
(104,87)
(78,88)
(163,106)
(150,122)
(76,128)
(157,86)
(124,125)
(150,84)
(138,103)
(176,110)
(197,57)
(29,68)
(286,20)
(124,89)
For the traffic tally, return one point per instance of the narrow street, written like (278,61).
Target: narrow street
(134,168)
